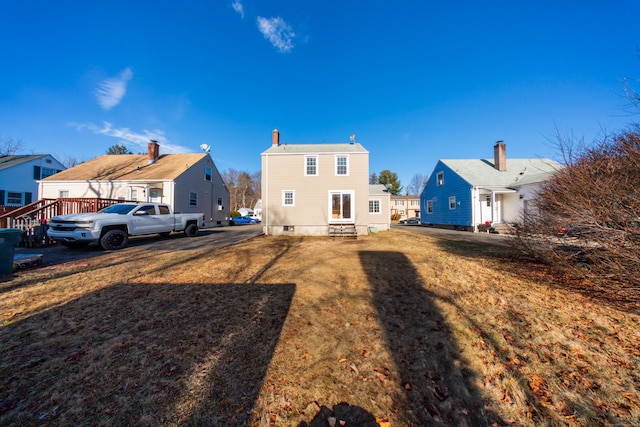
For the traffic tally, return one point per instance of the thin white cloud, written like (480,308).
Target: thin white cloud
(238,7)
(134,141)
(279,33)
(111,91)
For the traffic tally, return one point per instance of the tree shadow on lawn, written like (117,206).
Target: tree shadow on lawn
(439,387)
(143,354)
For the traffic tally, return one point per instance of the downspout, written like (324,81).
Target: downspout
(265,205)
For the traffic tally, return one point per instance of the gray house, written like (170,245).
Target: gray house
(465,194)
(186,182)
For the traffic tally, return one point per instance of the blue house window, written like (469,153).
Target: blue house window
(452,202)
(440,179)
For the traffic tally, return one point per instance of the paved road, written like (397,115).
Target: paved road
(207,238)
(467,236)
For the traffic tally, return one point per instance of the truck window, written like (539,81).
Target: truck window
(119,208)
(164,210)
(147,209)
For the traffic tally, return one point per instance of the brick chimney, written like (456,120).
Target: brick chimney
(153,151)
(275,138)
(500,156)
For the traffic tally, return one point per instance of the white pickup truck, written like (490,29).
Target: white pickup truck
(112,226)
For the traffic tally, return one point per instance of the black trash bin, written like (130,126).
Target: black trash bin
(9,238)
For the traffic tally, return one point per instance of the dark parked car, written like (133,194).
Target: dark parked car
(412,221)
(245,219)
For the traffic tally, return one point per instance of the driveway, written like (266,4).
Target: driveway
(467,236)
(211,238)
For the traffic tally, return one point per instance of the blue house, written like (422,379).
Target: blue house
(465,194)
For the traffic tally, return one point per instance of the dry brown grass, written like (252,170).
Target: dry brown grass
(406,328)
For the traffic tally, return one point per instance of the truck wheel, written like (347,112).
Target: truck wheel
(114,239)
(191,230)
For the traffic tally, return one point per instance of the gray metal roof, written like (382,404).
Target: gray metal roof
(7,162)
(378,190)
(519,172)
(315,148)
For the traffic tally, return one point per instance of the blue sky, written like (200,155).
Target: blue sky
(414,80)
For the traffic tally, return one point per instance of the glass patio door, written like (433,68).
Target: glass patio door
(341,206)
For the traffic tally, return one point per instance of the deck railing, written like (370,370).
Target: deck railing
(32,218)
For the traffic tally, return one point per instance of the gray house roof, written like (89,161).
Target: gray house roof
(519,172)
(315,148)
(378,190)
(7,162)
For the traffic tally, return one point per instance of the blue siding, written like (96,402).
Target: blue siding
(453,185)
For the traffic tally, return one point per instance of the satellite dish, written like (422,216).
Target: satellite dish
(388,186)
(206,148)
(352,138)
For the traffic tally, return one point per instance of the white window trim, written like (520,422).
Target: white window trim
(439,179)
(293,198)
(60,196)
(379,206)
(317,164)
(346,156)
(197,198)
(452,198)
(429,207)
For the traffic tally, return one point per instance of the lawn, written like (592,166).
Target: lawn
(396,328)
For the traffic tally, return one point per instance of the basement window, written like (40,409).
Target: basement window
(287,228)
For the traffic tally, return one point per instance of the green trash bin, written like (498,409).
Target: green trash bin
(9,238)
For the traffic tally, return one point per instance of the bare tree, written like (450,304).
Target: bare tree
(244,188)
(68,161)
(586,218)
(10,146)
(417,183)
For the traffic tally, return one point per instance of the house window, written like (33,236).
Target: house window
(193,198)
(429,206)
(134,194)
(440,179)
(311,165)
(207,173)
(288,198)
(401,212)
(374,206)
(488,201)
(415,202)
(342,165)
(219,201)
(14,198)
(48,172)
(452,202)
(63,194)
(399,202)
